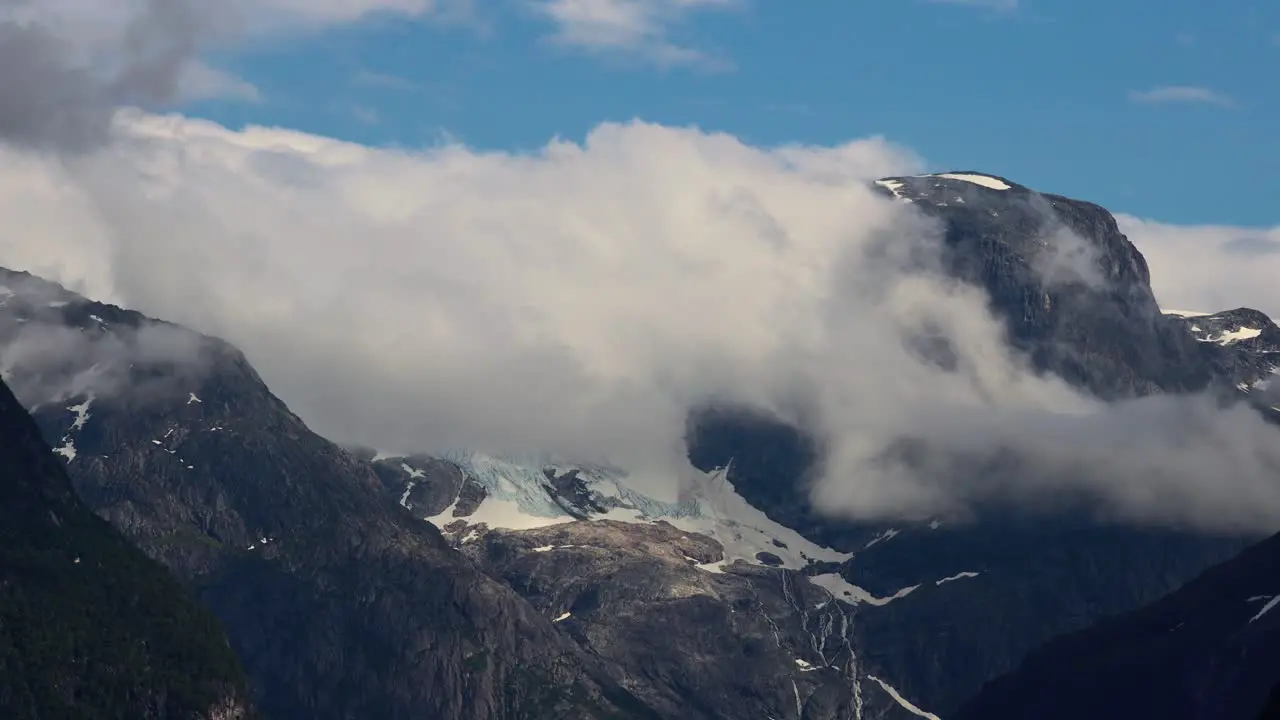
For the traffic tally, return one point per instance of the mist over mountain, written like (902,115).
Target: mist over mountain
(799,289)
(1066,452)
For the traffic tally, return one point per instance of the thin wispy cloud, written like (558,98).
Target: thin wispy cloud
(639,29)
(1183,94)
(200,81)
(366,115)
(384,81)
(992,4)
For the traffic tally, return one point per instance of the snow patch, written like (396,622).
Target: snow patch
(66,450)
(886,535)
(897,697)
(498,513)
(1271,604)
(81,412)
(893,186)
(1237,335)
(958,576)
(1185,313)
(985,181)
(519,496)
(743,530)
(193,399)
(404,499)
(842,589)
(563,617)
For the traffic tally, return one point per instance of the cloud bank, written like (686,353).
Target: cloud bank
(1180,94)
(634,27)
(578,299)
(67,65)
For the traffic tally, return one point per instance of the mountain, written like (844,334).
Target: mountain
(339,604)
(355,583)
(89,626)
(1209,651)
(698,605)
(933,609)
(1030,577)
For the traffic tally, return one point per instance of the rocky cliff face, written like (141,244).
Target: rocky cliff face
(89,627)
(339,604)
(1209,651)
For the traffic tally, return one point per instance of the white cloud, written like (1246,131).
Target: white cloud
(632,27)
(993,4)
(66,65)
(1208,267)
(1180,94)
(579,299)
(200,81)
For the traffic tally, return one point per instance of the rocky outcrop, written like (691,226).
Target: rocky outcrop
(743,642)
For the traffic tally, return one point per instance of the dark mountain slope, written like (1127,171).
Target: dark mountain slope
(1272,709)
(340,604)
(1209,651)
(89,626)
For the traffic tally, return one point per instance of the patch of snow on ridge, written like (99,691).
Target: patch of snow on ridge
(846,591)
(1237,335)
(1271,605)
(897,697)
(985,181)
(519,496)
(957,576)
(743,529)
(66,450)
(895,187)
(886,535)
(81,412)
(1185,313)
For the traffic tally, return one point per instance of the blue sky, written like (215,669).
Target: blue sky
(1166,110)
